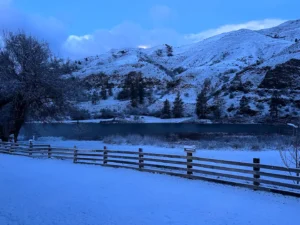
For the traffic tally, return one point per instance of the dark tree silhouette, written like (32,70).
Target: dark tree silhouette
(166,110)
(202,99)
(178,107)
(32,83)
(275,105)
(103,93)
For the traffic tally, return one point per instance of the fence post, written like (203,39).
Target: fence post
(75,155)
(298,173)
(105,156)
(189,160)
(141,160)
(49,151)
(256,170)
(30,148)
(10,149)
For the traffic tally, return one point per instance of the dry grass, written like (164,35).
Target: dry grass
(209,142)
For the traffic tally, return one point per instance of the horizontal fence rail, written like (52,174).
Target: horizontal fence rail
(254,175)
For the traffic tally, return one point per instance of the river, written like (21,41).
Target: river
(96,131)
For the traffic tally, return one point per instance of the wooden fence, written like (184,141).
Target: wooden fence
(253,175)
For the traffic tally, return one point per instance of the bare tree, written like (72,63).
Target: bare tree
(32,83)
(291,157)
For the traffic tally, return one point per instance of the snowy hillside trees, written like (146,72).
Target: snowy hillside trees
(217,108)
(169,50)
(133,89)
(274,105)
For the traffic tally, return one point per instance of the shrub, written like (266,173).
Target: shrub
(231,108)
(179,70)
(255,147)
(159,52)
(79,114)
(137,111)
(172,84)
(260,106)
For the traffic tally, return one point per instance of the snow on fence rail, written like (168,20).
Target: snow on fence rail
(252,175)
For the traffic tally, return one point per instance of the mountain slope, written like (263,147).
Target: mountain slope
(243,55)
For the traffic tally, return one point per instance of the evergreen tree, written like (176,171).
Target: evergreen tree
(274,105)
(110,91)
(133,89)
(95,98)
(201,105)
(244,105)
(141,91)
(202,99)
(133,94)
(207,85)
(124,94)
(134,102)
(178,107)
(149,95)
(103,93)
(217,107)
(166,111)
(169,50)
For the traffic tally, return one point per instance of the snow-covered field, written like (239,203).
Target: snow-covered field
(35,192)
(267,156)
(141,119)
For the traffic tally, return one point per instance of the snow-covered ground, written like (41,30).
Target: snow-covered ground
(53,192)
(141,119)
(266,156)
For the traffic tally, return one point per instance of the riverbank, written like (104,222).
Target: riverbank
(173,144)
(132,119)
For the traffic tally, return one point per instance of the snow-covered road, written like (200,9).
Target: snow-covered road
(36,192)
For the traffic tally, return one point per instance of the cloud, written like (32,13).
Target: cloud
(47,28)
(132,35)
(125,35)
(252,25)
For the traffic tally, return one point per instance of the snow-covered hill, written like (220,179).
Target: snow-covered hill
(244,55)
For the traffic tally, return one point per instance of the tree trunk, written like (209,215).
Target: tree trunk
(4,139)
(18,125)
(19,116)
(4,132)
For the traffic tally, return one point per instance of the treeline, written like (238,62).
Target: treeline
(215,109)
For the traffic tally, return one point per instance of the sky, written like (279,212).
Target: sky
(77,28)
